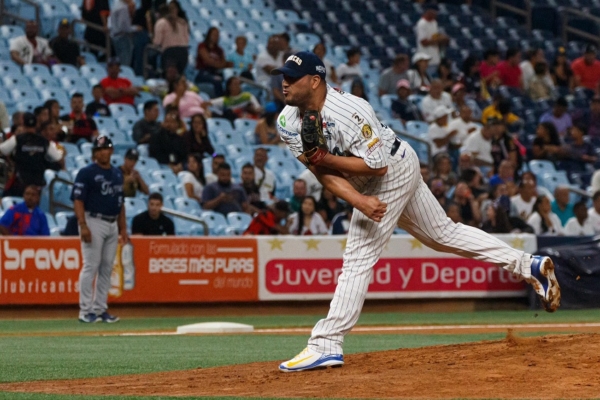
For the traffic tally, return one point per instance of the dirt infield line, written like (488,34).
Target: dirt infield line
(406,328)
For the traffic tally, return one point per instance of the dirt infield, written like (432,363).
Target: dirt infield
(557,366)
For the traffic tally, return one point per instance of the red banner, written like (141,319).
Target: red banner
(391,275)
(152,269)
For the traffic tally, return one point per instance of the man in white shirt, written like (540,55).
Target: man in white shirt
(429,39)
(479,143)
(351,69)
(439,133)
(263,177)
(525,199)
(534,56)
(270,58)
(30,48)
(594,213)
(580,224)
(313,186)
(463,125)
(436,97)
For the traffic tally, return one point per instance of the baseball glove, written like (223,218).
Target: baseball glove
(314,144)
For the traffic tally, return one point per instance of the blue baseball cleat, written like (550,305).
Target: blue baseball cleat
(109,319)
(89,318)
(544,282)
(310,359)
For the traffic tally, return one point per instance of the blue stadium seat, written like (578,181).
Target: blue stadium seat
(106,123)
(126,124)
(118,110)
(386,100)
(417,128)
(551,180)
(239,221)
(163,188)
(218,124)
(11,31)
(28,105)
(9,67)
(217,223)
(61,218)
(541,167)
(236,14)
(11,80)
(57,94)
(148,163)
(60,70)
(189,206)
(9,201)
(94,73)
(134,206)
(82,161)
(165,177)
(287,16)
(244,124)
(75,83)
(45,81)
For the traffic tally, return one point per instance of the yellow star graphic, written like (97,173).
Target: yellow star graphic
(276,244)
(518,243)
(312,244)
(343,243)
(415,244)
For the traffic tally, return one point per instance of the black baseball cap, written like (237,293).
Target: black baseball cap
(590,48)
(301,64)
(102,142)
(114,61)
(64,23)
(132,154)
(282,205)
(29,120)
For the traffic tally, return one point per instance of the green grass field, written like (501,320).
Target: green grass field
(64,349)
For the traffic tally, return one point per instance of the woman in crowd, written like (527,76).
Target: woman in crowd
(96,12)
(193,179)
(552,147)
(496,220)
(266,128)
(561,72)
(358,89)
(442,169)
(171,34)
(417,75)
(470,77)
(328,206)
(543,220)
(444,73)
(307,221)
(235,103)
(210,61)
(196,139)
(143,18)
(188,102)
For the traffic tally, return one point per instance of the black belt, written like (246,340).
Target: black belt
(103,217)
(395,146)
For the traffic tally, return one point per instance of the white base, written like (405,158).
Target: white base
(215,327)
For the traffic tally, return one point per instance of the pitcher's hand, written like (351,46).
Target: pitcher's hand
(372,207)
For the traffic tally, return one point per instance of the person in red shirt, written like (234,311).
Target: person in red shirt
(587,69)
(79,125)
(509,71)
(268,222)
(117,89)
(488,69)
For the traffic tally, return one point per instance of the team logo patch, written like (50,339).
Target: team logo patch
(373,142)
(282,120)
(320,69)
(367,132)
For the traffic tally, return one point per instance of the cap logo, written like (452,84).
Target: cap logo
(320,69)
(295,59)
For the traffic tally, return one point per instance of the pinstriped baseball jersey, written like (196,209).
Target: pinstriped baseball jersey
(350,128)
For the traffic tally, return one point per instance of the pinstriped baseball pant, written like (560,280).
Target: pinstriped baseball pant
(98,259)
(412,206)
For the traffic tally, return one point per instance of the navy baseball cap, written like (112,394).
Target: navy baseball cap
(301,64)
(29,120)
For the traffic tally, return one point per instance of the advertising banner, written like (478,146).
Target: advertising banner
(296,268)
(149,270)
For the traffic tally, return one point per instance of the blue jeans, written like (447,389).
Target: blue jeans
(123,48)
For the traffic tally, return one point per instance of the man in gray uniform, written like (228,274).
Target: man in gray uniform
(98,200)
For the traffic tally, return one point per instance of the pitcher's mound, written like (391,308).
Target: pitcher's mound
(561,366)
